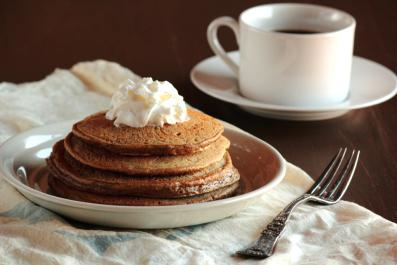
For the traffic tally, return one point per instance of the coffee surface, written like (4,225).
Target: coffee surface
(297,31)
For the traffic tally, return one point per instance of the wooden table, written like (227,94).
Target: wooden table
(165,39)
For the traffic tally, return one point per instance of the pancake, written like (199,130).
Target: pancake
(183,138)
(147,165)
(65,191)
(78,176)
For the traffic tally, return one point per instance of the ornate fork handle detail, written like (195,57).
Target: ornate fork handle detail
(328,189)
(264,246)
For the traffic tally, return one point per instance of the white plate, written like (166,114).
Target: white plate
(371,84)
(22,163)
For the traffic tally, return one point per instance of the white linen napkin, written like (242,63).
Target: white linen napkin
(345,233)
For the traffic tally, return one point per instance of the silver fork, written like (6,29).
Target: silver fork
(328,189)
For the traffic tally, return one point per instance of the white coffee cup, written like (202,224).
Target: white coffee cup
(290,69)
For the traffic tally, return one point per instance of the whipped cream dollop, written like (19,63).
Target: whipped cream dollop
(147,102)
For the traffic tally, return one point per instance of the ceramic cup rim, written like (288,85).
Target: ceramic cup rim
(246,13)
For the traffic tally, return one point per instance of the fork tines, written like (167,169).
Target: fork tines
(333,182)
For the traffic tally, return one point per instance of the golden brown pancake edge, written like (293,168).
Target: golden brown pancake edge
(148,165)
(79,176)
(184,138)
(65,191)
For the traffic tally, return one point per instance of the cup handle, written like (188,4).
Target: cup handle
(212,37)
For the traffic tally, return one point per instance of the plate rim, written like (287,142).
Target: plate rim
(22,188)
(266,106)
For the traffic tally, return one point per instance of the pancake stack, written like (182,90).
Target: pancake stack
(183,163)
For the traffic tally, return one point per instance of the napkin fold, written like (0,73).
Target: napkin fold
(345,233)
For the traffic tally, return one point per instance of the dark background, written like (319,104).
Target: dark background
(165,39)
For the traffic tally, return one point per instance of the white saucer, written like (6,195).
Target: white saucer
(371,84)
(22,164)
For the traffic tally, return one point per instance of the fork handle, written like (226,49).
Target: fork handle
(269,237)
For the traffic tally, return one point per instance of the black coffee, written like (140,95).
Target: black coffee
(297,31)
